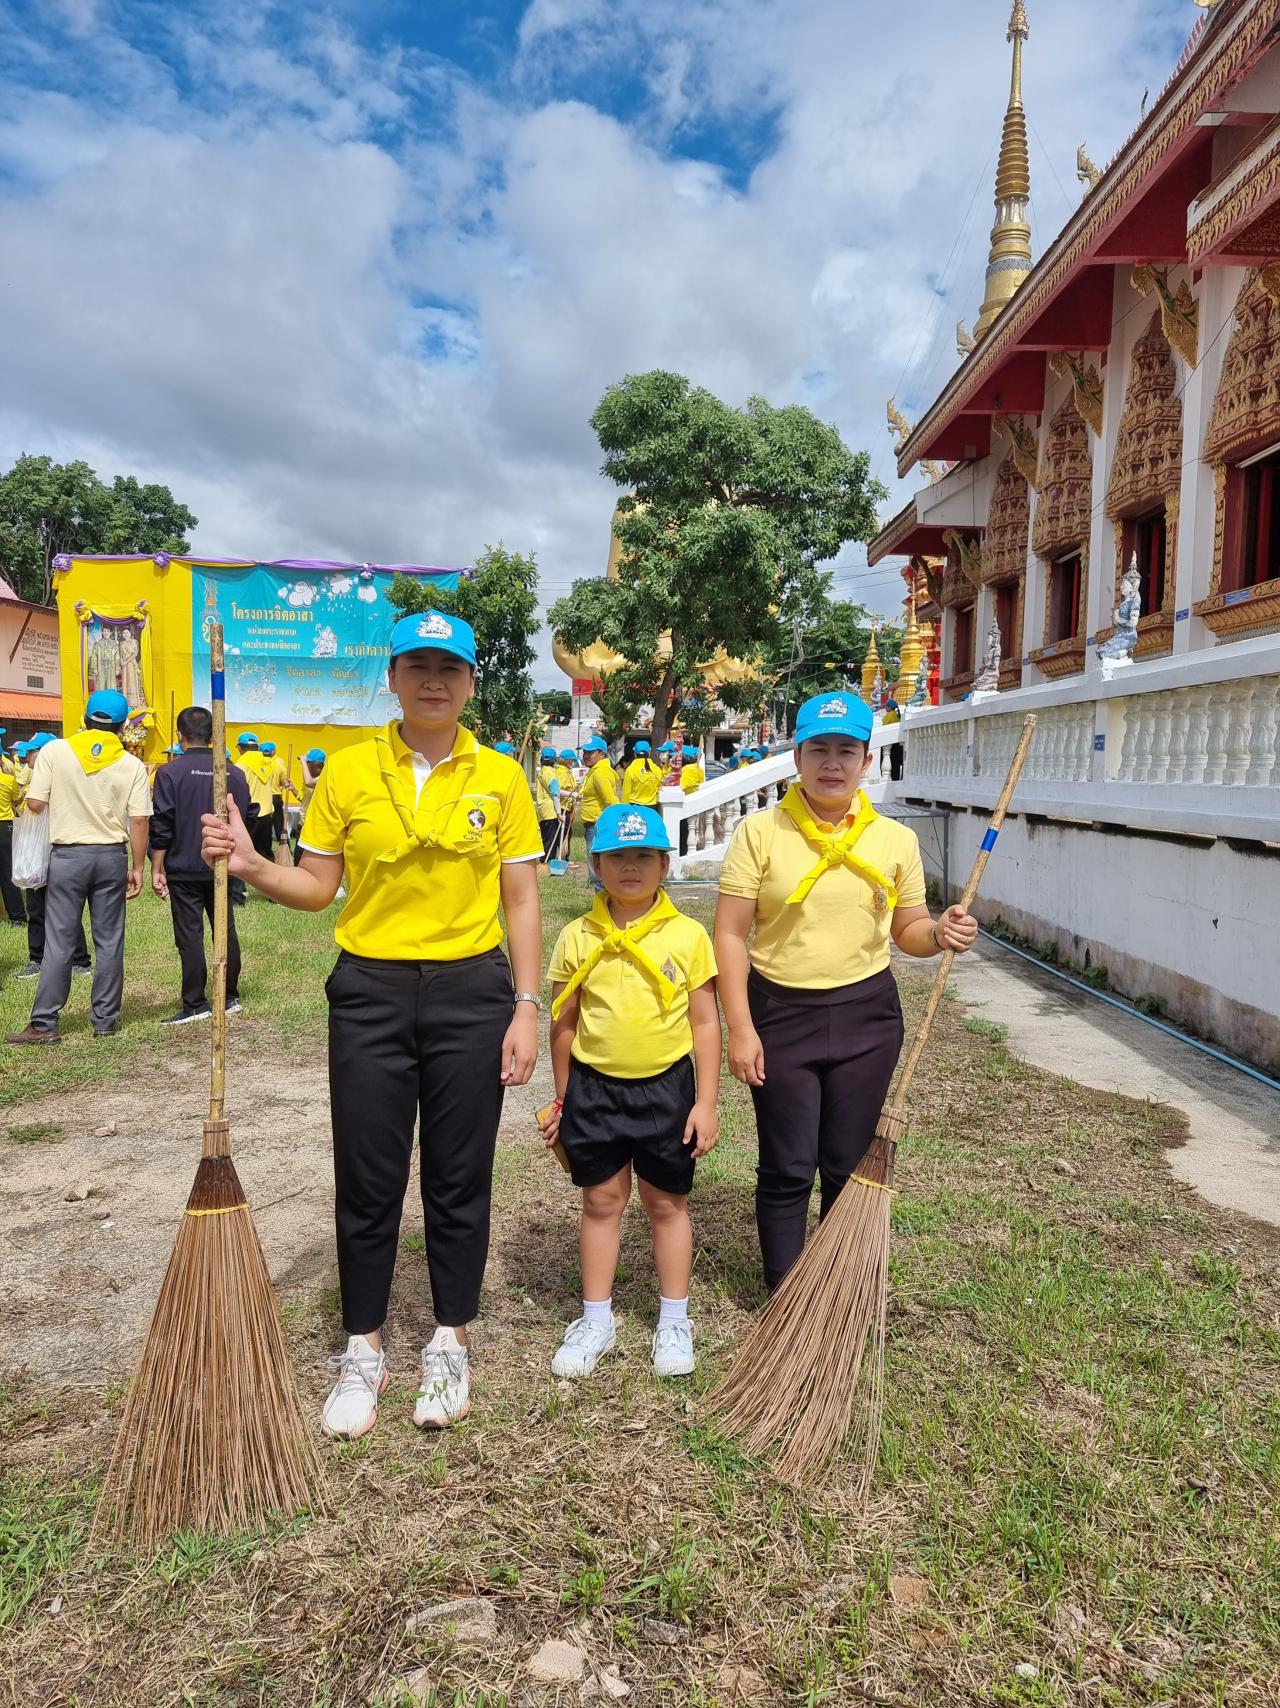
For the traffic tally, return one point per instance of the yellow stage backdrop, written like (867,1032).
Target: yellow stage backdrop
(316,637)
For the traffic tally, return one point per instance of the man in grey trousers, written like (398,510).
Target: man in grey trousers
(99,808)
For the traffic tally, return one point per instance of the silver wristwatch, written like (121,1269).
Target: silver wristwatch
(528,996)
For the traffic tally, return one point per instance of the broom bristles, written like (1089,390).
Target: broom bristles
(817,1353)
(212,1436)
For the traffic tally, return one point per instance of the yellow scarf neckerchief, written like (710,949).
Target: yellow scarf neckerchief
(624,940)
(406,807)
(96,749)
(836,850)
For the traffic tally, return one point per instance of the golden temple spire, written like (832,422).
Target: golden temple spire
(1010,258)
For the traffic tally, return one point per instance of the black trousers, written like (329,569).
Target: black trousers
(415,1041)
(897,757)
(829,1056)
(277,817)
(550,828)
(10,894)
(190,904)
(35,933)
(260,834)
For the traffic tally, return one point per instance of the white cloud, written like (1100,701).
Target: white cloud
(337,345)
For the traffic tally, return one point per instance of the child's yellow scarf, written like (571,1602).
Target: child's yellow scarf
(836,850)
(624,940)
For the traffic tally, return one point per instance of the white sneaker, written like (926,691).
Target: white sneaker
(673,1349)
(351,1409)
(584,1345)
(445,1394)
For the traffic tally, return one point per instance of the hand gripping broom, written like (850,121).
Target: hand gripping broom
(818,1348)
(212,1436)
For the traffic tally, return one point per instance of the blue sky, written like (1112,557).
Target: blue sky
(352,277)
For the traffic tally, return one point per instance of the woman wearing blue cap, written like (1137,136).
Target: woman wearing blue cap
(435,835)
(599,791)
(814,1021)
(546,798)
(633,998)
(642,779)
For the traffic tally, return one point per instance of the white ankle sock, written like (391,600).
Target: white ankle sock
(672,1310)
(598,1311)
(444,1340)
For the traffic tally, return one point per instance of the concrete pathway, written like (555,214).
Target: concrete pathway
(1232,1155)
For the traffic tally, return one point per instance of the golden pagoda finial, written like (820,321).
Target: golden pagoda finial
(1010,258)
(870,665)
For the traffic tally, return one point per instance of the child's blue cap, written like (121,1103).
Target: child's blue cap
(570,755)
(106,707)
(619,828)
(174,752)
(833,714)
(267,747)
(597,744)
(667,747)
(248,739)
(689,753)
(505,748)
(42,738)
(433,629)
(642,747)
(548,756)
(21,748)
(314,756)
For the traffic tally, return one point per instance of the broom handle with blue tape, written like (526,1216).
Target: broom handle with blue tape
(216,1134)
(898,1101)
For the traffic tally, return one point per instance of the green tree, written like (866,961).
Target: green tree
(817,657)
(557,704)
(727,516)
(500,601)
(47,508)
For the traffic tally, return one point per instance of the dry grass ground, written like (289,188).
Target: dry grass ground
(1077,1496)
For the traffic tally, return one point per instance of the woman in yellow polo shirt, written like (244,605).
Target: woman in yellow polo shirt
(434,833)
(642,779)
(814,1021)
(599,790)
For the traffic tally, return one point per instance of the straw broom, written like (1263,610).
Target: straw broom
(212,1436)
(818,1349)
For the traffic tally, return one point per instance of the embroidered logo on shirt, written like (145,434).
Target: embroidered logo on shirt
(96,749)
(632,828)
(476,819)
(833,709)
(670,970)
(434,627)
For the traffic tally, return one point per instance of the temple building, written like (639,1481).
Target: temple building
(1118,405)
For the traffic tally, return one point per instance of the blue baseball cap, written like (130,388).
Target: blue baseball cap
(505,748)
(570,755)
(432,629)
(689,753)
(42,738)
(548,755)
(620,828)
(175,751)
(268,747)
(597,744)
(248,739)
(105,708)
(834,714)
(21,748)
(643,747)
(667,747)
(314,756)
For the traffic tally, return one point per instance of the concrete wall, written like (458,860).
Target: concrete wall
(1194,924)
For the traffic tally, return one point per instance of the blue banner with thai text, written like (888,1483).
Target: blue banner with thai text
(303,646)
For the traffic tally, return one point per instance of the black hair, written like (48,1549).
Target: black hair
(195,724)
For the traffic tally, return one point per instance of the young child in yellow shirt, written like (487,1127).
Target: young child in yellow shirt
(633,994)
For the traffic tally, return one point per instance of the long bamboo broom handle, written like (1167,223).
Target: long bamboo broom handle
(966,902)
(216,1137)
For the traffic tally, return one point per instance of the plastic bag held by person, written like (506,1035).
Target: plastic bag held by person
(31,850)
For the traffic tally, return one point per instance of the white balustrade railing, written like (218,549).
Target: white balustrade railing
(1183,745)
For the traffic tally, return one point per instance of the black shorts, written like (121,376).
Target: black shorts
(607,1123)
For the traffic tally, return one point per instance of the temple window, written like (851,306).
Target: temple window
(1146,538)
(962,644)
(1253,522)
(1065,574)
(1007,619)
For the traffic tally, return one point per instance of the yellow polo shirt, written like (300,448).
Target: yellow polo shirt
(438,900)
(641,782)
(692,777)
(622,1028)
(258,769)
(568,781)
(10,795)
(599,790)
(279,778)
(835,936)
(545,801)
